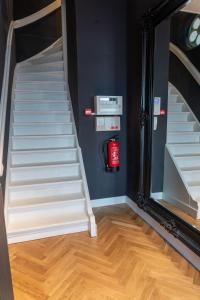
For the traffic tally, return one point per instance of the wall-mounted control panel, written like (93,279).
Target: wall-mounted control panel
(108,105)
(108,123)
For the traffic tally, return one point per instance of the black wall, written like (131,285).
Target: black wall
(180,24)
(35,37)
(24,8)
(101,56)
(136,9)
(161,76)
(185,83)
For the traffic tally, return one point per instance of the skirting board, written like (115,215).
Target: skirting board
(108,201)
(157,196)
(179,246)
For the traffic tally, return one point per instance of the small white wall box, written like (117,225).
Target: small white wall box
(108,105)
(108,124)
(157,106)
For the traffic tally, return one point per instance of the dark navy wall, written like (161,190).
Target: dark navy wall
(101,64)
(24,8)
(35,37)
(185,83)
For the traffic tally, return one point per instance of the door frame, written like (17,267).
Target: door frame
(180,229)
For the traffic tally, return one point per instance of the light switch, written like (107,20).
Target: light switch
(108,124)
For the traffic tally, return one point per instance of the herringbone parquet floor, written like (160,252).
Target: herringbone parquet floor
(128,261)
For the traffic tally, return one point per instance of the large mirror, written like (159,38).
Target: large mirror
(175,178)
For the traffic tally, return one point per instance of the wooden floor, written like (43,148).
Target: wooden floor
(128,261)
(182,214)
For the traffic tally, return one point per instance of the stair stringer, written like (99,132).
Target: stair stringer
(93,226)
(175,188)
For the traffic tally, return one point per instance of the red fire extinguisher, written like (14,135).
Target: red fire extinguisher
(111,154)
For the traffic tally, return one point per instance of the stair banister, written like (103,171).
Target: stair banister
(186,62)
(5,84)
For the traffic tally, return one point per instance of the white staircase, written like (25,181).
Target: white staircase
(46,187)
(182,159)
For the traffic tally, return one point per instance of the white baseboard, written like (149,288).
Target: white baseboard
(157,196)
(175,243)
(108,201)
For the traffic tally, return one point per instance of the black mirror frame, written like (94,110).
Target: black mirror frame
(180,229)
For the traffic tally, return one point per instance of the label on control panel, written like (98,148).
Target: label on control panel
(108,123)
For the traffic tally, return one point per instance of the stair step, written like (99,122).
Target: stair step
(38,85)
(42,117)
(45,173)
(173,98)
(179,116)
(27,157)
(185,149)
(58,56)
(38,76)
(195,192)
(188,162)
(40,224)
(35,203)
(40,95)
(177,107)
(180,126)
(183,137)
(42,142)
(40,191)
(42,129)
(41,106)
(191,176)
(44,67)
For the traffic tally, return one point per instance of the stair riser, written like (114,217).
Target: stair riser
(191,176)
(51,211)
(173,99)
(44,129)
(178,107)
(41,118)
(36,174)
(178,117)
(57,57)
(40,95)
(43,157)
(188,162)
(184,150)
(180,127)
(42,68)
(43,143)
(44,191)
(41,86)
(40,77)
(183,138)
(41,106)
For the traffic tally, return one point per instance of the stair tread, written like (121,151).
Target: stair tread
(42,136)
(41,123)
(35,202)
(46,222)
(51,112)
(42,164)
(42,184)
(42,150)
(56,165)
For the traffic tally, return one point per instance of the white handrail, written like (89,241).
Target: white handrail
(38,15)
(4,92)
(186,62)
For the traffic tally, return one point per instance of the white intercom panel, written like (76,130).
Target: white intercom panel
(108,105)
